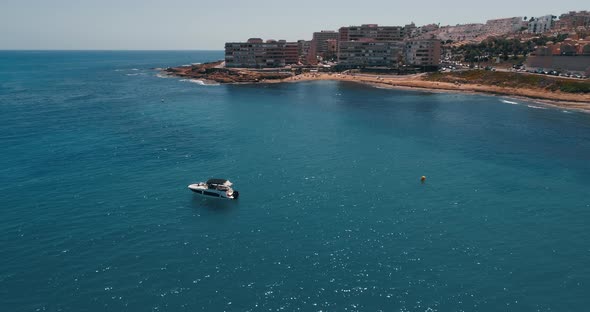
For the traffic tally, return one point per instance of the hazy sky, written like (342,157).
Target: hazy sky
(199,24)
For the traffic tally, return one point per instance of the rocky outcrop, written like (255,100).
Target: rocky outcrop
(215,71)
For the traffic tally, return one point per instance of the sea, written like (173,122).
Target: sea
(97,150)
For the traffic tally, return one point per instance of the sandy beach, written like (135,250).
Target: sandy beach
(560,99)
(215,72)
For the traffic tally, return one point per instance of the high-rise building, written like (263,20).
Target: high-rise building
(304,50)
(371,31)
(423,52)
(255,53)
(370,45)
(331,49)
(319,43)
(541,24)
(291,53)
(370,53)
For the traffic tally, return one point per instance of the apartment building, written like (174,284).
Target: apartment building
(291,53)
(256,53)
(461,32)
(573,19)
(320,42)
(371,31)
(541,24)
(370,53)
(504,25)
(331,49)
(422,52)
(303,48)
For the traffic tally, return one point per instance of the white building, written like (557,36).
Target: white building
(505,25)
(541,24)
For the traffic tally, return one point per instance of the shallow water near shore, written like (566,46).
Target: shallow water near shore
(97,151)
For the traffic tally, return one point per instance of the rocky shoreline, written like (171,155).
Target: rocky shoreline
(216,72)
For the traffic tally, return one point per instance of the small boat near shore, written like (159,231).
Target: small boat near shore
(216,188)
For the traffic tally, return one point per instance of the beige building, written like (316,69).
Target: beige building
(370,45)
(320,44)
(459,33)
(504,25)
(370,53)
(573,20)
(303,49)
(371,31)
(331,49)
(256,53)
(422,52)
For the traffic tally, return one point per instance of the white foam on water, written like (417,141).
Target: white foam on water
(161,75)
(199,82)
(536,107)
(509,102)
(377,87)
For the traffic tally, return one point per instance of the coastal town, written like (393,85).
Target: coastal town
(423,48)
(551,52)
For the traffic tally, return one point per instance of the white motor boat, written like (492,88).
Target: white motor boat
(216,188)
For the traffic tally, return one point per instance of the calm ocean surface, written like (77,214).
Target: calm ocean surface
(95,214)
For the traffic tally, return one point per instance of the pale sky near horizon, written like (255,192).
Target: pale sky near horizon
(206,25)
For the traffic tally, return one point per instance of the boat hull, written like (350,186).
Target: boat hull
(205,192)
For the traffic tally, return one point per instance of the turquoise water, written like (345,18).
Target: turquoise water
(95,214)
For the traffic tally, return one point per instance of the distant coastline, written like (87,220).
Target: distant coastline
(215,72)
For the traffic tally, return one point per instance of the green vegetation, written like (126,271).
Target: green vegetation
(514,80)
(540,41)
(503,48)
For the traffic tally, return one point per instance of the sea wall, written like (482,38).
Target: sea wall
(579,63)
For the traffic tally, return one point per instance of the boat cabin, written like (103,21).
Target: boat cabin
(219,184)
(215,188)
